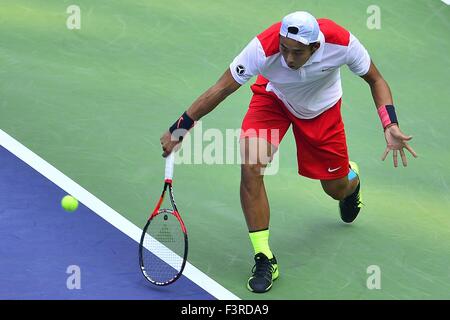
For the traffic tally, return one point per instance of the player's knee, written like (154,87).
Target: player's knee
(256,152)
(252,171)
(251,178)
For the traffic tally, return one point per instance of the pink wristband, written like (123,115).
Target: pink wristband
(387,115)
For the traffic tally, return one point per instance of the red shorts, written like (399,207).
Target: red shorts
(321,144)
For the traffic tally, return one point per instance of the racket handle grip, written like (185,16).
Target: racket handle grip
(170,160)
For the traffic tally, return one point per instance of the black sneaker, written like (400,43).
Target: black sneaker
(350,206)
(264,272)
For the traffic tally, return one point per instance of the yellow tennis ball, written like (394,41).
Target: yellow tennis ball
(69,203)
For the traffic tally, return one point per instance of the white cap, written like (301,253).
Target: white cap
(300,26)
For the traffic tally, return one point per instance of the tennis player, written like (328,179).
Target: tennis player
(298,83)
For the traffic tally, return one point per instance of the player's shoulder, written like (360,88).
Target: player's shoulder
(269,39)
(334,33)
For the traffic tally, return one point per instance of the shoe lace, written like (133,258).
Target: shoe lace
(353,200)
(263,268)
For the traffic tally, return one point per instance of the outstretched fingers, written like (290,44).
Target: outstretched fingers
(403,155)
(408,147)
(395,157)
(383,157)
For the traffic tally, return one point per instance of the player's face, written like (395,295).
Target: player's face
(294,53)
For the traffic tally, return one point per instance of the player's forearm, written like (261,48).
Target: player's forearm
(383,101)
(381,92)
(207,102)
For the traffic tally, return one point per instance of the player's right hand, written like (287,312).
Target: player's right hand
(168,143)
(396,141)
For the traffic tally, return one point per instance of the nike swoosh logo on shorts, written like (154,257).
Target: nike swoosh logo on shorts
(333,170)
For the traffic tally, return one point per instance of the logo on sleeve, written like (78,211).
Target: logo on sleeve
(240,70)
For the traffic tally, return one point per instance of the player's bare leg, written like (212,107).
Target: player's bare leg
(256,153)
(339,189)
(347,191)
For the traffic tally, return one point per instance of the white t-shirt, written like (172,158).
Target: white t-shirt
(316,86)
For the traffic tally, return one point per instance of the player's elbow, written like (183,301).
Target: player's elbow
(373,76)
(226,85)
(374,80)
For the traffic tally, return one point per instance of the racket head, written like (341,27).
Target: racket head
(163,247)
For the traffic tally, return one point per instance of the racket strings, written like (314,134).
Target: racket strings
(165,246)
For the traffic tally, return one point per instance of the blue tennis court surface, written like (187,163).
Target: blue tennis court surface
(41,245)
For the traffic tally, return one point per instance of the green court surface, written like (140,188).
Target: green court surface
(93,102)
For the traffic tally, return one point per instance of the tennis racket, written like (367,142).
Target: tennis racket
(163,247)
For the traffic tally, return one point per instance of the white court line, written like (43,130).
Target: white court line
(447,2)
(103,210)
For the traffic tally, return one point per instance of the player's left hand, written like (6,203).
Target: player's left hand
(396,141)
